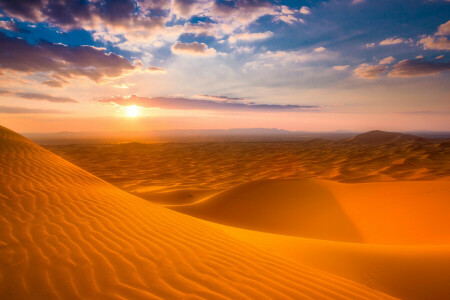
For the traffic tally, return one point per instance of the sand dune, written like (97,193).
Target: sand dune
(65,233)
(383,137)
(407,272)
(188,172)
(400,213)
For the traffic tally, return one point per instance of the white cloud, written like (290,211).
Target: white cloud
(387,61)
(392,41)
(247,36)
(305,10)
(320,49)
(444,29)
(367,71)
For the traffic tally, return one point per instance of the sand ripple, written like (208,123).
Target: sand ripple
(66,234)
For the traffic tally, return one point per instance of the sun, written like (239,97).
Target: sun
(132,111)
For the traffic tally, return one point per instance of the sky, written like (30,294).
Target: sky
(121,65)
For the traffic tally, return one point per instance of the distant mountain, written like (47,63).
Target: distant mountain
(383,137)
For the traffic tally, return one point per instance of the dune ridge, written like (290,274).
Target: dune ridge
(65,233)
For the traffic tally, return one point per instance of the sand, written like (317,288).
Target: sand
(392,213)
(188,172)
(67,234)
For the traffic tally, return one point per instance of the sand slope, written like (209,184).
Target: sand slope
(407,272)
(67,234)
(396,213)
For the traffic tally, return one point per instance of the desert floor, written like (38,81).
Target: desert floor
(363,218)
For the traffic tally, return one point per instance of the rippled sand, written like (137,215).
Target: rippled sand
(310,220)
(67,234)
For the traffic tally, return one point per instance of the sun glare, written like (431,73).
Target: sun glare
(132,111)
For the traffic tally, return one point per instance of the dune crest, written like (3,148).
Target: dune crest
(64,233)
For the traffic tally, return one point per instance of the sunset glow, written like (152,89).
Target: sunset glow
(297,65)
(132,111)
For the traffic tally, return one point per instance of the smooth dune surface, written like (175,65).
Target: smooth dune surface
(406,272)
(399,213)
(67,234)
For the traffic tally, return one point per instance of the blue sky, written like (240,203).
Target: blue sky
(329,64)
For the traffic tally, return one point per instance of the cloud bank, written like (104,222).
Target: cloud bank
(198,104)
(60,60)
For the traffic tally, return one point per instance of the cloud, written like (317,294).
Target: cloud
(305,10)
(11,26)
(438,41)
(194,48)
(88,14)
(53,83)
(340,68)
(387,61)
(444,29)
(60,60)
(357,1)
(35,96)
(290,19)
(286,14)
(220,98)
(203,28)
(247,36)
(418,67)
(320,49)
(392,41)
(439,57)
(435,43)
(370,71)
(197,104)
(370,45)
(3,92)
(156,70)
(24,110)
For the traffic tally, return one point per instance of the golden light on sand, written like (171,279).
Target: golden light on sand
(132,111)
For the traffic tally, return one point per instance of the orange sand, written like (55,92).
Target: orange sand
(65,233)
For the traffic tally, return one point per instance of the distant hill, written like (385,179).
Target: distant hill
(383,137)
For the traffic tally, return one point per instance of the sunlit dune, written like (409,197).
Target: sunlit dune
(183,173)
(408,272)
(398,213)
(67,234)
(372,209)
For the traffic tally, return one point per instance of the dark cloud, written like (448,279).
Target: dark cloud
(24,9)
(84,13)
(57,59)
(418,67)
(3,92)
(24,110)
(44,97)
(197,104)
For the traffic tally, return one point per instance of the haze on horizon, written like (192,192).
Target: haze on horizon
(125,65)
